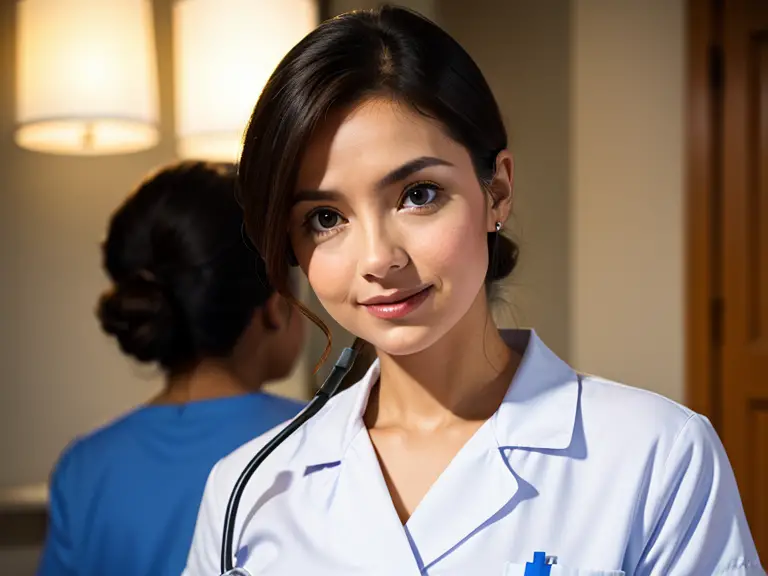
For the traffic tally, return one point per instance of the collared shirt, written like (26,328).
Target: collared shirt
(609,479)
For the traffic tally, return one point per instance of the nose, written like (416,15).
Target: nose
(382,253)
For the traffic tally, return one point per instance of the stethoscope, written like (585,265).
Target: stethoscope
(326,391)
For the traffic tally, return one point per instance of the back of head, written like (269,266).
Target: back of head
(389,52)
(185,284)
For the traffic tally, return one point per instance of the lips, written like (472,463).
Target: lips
(398,304)
(393,297)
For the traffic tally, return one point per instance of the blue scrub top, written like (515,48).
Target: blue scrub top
(124,499)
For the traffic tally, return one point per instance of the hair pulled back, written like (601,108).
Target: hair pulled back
(391,52)
(185,283)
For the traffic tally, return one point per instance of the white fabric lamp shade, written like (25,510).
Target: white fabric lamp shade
(87,76)
(224,53)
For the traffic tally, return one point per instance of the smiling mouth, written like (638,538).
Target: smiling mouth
(397,305)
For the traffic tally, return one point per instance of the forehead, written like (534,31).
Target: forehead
(370,139)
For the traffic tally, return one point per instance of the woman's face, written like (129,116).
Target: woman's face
(389,224)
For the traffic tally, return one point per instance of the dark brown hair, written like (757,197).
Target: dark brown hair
(389,51)
(185,284)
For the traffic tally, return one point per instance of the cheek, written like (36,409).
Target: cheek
(330,274)
(456,252)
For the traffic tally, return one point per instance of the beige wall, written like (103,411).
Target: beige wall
(627,216)
(522,48)
(427,7)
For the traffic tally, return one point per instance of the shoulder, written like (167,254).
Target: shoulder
(283,408)
(687,507)
(83,462)
(632,419)
(687,497)
(92,448)
(294,454)
(271,480)
(614,403)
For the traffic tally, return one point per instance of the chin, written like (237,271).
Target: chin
(402,340)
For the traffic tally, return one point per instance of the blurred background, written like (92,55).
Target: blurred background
(640,132)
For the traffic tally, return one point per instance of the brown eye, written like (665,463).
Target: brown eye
(324,219)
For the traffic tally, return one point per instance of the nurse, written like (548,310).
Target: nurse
(376,159)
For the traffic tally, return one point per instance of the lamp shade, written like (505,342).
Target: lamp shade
(224,53)
(87,76)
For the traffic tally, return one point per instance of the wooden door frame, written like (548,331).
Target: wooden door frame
(703,292)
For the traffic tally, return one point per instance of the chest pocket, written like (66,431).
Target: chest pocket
(511,569)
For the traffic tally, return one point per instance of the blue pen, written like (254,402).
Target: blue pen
(539,567)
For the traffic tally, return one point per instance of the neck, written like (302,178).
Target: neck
(207,380)
(462,377)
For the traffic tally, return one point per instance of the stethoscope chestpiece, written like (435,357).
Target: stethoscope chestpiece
(237,572)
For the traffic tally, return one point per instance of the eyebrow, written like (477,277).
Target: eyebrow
(397,175)
(411,167)
(315,196)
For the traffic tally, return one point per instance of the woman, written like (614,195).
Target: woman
(191,296)
(376,158)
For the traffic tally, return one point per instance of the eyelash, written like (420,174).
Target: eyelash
(431,206)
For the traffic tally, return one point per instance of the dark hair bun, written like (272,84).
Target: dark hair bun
(139,314)
(185,284)
(502,257)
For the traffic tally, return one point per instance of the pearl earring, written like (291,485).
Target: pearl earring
(498,227)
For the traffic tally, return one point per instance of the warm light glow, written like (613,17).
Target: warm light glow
(87,76)
(225,50)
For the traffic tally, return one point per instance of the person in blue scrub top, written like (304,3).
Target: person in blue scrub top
(191,296)
(377,160)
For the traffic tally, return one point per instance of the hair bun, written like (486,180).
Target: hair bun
(138,313)
(502,256)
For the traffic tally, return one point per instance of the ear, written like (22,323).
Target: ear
(275,313)
(501,191)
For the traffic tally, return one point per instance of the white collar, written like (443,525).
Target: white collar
(538,410)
